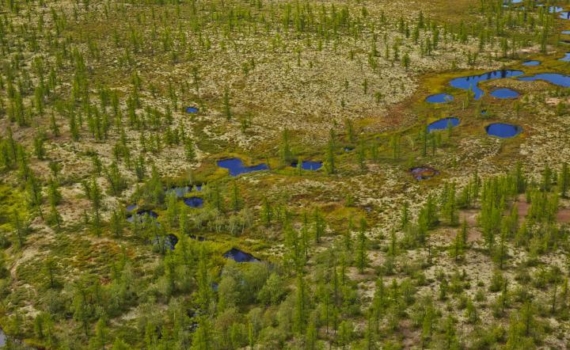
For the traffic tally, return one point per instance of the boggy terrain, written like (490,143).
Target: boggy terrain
(284,174)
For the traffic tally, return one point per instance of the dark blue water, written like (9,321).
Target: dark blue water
(504,93)
(239,256)
(443,124)
(531,63)
(439,98)
(566,57)
(553,78)
(191,109)
(503,130)
(194,202)
(472,82)
(308,165)
(141,214)
(565,15)
(167,242)
(423,172)
(236,167)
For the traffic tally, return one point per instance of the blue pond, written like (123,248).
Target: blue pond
(566,57)
(553,78)
(531,63)
(503,130)
(239,256)
(443,124)
(504,93)
(555,9)
(167,242)
(472,82)
(194,202)
(565,15)
(566,32)
(308,165)
(142,214)
(191,109)
(439,98)
(236,167)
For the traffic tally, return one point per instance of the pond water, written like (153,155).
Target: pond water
(565,32)
(566,57)
(131,207)
(239,256)
(553,78)
(141,214)
(308,165)
(236,167)
(443,124)
(439,98)
(531,63)
(565,15)
(194,202)
(471,82)
(503,130)
(504,93)
(167,242)
(423,172)
(191,109)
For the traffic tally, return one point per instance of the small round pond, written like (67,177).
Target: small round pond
(423,172)
(503,130)
(194,202)
(504,93)
(191,109)
(531,63)
(308,165)
(439,98)
(443,124)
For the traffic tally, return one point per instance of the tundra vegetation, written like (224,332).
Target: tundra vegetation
(119,229)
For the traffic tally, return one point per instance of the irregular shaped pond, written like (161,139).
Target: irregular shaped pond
(439,98)
(471,82)
(239,256)
(236,167)
(503,130)
(423,172)
(565,15)
(443,124)
(531,63)
(142,214)
(504,93)
(194,202)
(553,78)
(167,242)
(191,109)
(565,32)
(308,165)
(566,57)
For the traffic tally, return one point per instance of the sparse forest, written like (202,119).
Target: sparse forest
(279,174)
